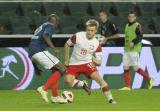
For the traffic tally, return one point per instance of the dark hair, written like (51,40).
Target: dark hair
(132,12)
(103,11)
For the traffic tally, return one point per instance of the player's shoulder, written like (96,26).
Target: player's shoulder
(127,24)
(81,33)
(48,24)
(138,25)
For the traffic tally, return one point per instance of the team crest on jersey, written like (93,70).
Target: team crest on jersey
(16,69)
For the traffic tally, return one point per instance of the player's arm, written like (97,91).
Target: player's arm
(115,34)
(139,37)
(48,41)
(67,45)
(97,60)
(47,38)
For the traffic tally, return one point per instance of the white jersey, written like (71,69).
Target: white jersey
(83,49)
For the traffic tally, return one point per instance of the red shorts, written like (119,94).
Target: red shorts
(86,69)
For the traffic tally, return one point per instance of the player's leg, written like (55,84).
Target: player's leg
(48,61)
(71,80)
(52,63)
(59,67)
(52,82)
(126,67)
(55,89)
(135,59)
(105,88)
(145,75)
(127,78)
(57,70)
(55,98)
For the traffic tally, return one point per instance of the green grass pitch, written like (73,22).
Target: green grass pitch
(135,100)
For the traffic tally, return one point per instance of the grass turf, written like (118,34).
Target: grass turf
(135,100)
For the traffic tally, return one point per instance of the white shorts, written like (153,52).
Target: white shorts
(45,59)
(130,58)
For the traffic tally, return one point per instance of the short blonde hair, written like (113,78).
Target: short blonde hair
(92,22)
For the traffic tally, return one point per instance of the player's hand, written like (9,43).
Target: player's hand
(102,40)
(132,45)
(57,52)
(95,61)
(66,63)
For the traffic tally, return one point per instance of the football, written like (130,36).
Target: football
(68,96)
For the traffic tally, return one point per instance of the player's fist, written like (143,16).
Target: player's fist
(57,52)
(102,40)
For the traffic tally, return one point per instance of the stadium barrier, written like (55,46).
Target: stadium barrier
(63,35)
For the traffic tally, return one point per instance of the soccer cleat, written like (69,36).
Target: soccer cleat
(87,88)
(111,101)
(125,89)
(43,93)
(58,99)
(150,84)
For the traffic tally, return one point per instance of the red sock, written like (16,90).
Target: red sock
(105,89)
(127,77)
(53,79)
(55,90)
(144,74)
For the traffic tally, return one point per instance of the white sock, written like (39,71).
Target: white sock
(77,83)
(108,95)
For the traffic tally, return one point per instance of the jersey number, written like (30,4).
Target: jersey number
(83,51)
(38,30)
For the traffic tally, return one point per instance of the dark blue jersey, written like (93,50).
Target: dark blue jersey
(37,43)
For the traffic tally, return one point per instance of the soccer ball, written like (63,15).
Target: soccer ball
(68,96)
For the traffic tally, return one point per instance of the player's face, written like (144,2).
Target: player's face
(55,20)
(131,17)
(91,31)
(102,16)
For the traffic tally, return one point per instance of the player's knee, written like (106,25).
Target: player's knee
(68,80)
(103,83)
(95,76)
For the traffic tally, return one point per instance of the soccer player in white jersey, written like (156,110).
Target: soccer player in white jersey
(82,60)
